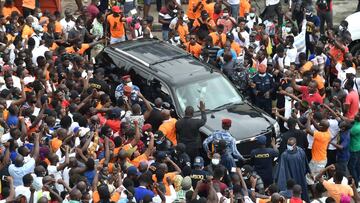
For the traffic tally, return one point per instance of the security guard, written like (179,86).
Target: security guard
(198,173)
(262,86)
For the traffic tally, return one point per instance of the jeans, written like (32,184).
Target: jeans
(354,166)
(165,35)
(235,11)
(116,40)
(325,17)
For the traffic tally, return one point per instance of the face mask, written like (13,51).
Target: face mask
(225,14)
(252,15)
(288,29)
(70,66)
(81,27)
(159,142)
(289,147)
(39,15)
(262,74)
(129,84)
(215,161)
(341,28)
(33,24)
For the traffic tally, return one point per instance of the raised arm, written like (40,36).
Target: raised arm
(36,150)
(308,126)
(148,106)
(61,166)
(203,114)
(150,148)
(6,159)
(137,134)
(23,95)
(294,85)
(11,196)
(176,167)
(107,151)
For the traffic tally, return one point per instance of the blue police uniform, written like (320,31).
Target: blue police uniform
(263,84)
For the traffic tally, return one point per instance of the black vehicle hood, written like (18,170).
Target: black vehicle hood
(247,121)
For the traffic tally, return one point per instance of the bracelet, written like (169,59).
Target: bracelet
(252,189)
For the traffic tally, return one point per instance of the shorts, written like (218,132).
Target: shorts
(147,2)
(316,167)
(116,40)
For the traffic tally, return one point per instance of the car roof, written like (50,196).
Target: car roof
(167,61)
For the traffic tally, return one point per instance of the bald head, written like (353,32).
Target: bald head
(19,160)
(165,114)
(143,166)
(43,200)
(158,102)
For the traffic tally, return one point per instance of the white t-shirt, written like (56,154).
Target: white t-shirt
(52,170)
(22,190)
(271,2)
(244,34)
(38,51)
(291,55)
(233,2)
(251,21)
(310,138)
(67,26)
(334,130)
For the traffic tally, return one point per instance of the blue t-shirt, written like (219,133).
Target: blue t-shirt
(344,154)
(141,192)
(90,175)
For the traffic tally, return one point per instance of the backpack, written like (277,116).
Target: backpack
(322,4)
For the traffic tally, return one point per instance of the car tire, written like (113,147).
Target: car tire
(355,50)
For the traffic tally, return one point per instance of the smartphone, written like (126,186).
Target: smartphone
(233,169)
(3,178)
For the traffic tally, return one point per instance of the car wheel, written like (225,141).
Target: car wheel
(355,50)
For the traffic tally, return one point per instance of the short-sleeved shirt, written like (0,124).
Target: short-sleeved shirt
(310,98)
(355,137)
(320,145)
(320,82)
(27,32)
(141,192)
(218,39)
(194,50)
(262,159)
(170,175)
(114,197)
(352,99)
(116,26)
(336,190)
(19,172)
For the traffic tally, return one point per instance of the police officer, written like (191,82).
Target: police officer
(223,134)
(262,86)
(198,173)
(127,85)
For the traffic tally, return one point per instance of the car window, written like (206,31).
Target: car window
(215,92)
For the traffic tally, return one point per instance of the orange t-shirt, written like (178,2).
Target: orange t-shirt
(244,7)
(136,162)
(8,10)
(336,190)
(172,177)
(192,4)
(58,27)
(81,51)
(55,144)
(29,4)
(53,47)
(320,82)
(169,130)
(195,50)
(183,31)
(116,26)
(114,197)
(209,8)
(27,32)
(337,54)
(236,47)
(320,145)
(10,38)
(218,39)
(197,23)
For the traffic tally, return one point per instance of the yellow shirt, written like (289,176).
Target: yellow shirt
(27,32)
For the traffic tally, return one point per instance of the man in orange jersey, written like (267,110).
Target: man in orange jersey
(116,24)
(168,126)
(193,47)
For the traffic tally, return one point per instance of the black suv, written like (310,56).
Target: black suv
(163,70)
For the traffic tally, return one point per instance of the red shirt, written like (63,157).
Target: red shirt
(296,200)
(352,99)
(310,98)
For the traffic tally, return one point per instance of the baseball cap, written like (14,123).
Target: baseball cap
(198,161)
(226,121)
(116,9)
(160,155)
(261,140)
(132,170)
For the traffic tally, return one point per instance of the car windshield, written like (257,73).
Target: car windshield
(216,92)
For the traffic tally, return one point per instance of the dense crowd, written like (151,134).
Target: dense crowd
(71,132)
